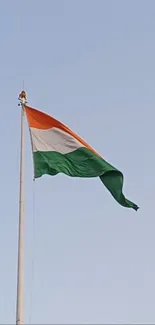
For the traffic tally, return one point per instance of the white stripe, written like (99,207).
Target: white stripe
(53,140)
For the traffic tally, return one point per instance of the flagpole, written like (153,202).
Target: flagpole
(20,269)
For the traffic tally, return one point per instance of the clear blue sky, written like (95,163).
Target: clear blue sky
(90,64)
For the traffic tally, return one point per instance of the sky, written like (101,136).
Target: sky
(90,64)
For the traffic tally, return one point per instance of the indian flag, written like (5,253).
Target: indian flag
(57,149)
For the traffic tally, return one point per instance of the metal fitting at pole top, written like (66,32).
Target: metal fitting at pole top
(22,98)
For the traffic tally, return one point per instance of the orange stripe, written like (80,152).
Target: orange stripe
(40,120)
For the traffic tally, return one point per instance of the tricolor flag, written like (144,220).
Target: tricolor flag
(56,149)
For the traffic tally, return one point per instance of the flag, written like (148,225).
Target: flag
(57,149)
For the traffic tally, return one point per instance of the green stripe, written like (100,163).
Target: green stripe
(82,163)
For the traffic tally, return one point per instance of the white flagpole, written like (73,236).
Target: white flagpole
(20,270)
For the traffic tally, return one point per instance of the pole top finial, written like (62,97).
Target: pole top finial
(22,98)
